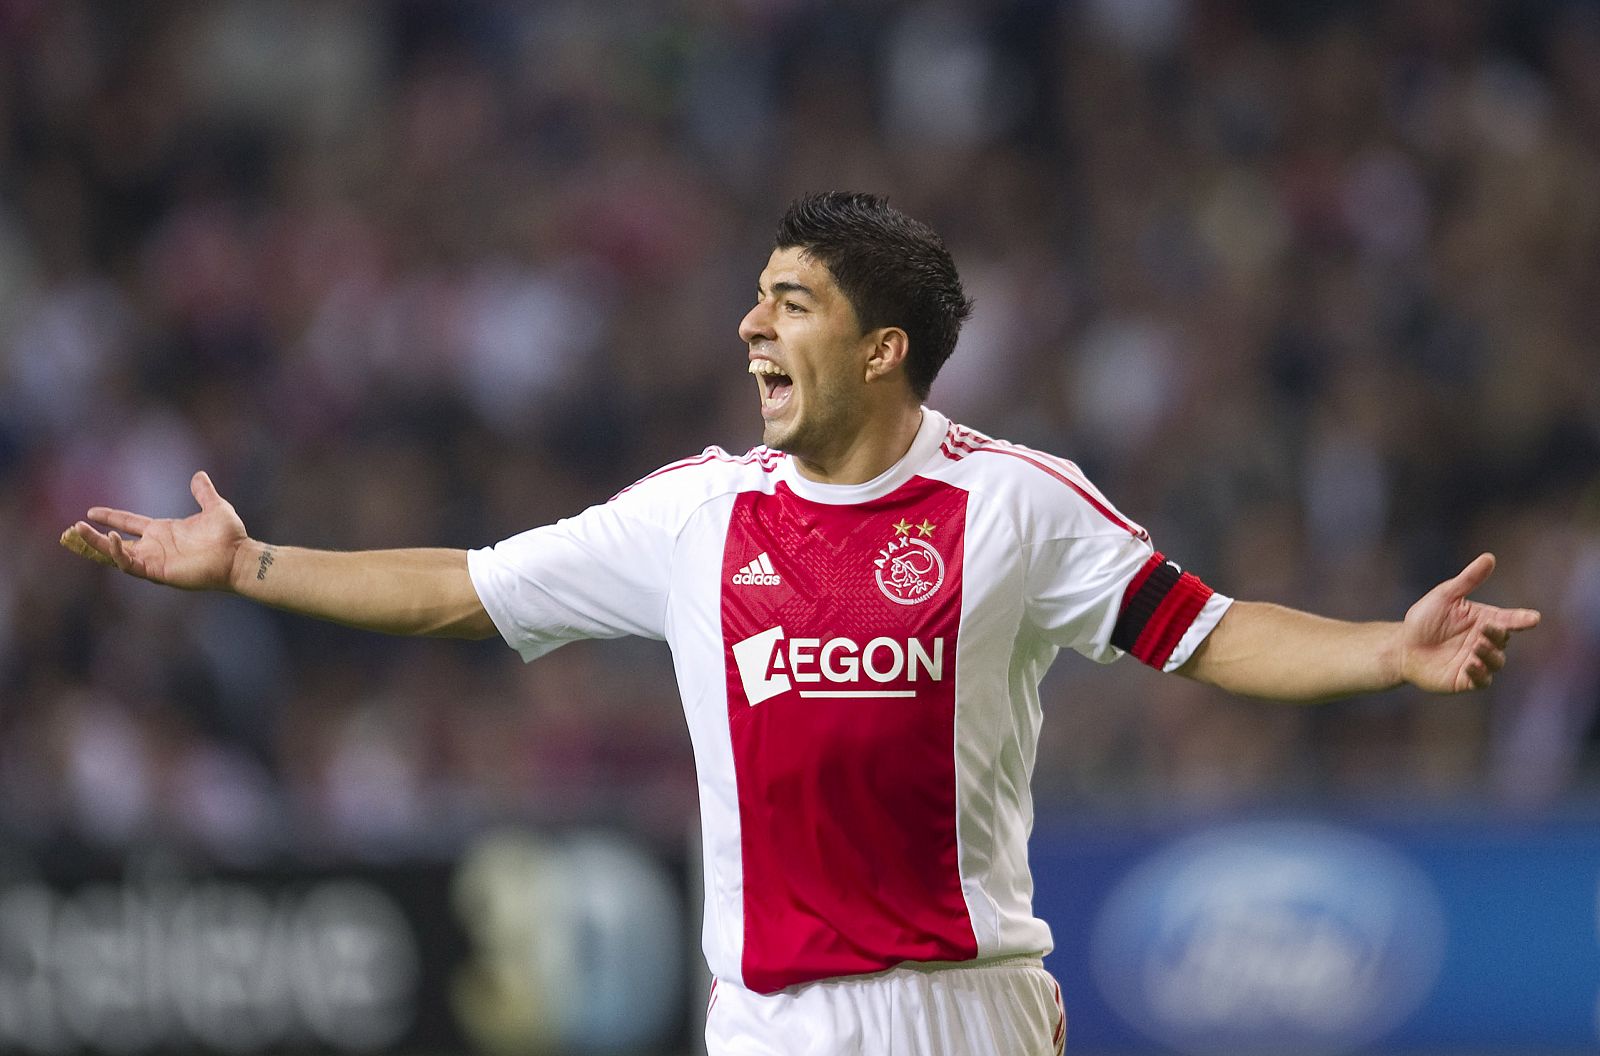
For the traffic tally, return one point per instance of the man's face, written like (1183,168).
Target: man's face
(808,354)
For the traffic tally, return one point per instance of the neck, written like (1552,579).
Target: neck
(882,440)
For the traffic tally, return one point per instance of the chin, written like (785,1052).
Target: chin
(780,436)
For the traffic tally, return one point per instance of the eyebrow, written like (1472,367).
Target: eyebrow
(790,287)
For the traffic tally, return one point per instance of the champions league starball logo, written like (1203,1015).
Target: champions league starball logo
(909,569)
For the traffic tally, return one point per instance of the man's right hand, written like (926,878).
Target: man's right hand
(413,591)
(195,553)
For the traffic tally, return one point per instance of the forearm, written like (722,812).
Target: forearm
(1277,653)
(412,592)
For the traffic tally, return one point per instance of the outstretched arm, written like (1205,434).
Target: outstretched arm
(420,592)
(1446,644)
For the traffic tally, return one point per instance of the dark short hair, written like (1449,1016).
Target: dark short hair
(894,270)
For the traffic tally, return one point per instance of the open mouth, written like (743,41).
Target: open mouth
(776,386)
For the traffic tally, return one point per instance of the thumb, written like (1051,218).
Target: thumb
(204,492)
(1473,576)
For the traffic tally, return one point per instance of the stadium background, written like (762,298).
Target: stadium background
(1311,290)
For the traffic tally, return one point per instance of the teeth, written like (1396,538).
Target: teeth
(764,366)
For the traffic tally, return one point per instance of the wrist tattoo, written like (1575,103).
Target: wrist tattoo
(265,563)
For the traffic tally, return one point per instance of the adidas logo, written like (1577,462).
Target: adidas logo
(758,573)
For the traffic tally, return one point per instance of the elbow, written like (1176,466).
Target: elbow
(479,627)
(475,626)
(468,621)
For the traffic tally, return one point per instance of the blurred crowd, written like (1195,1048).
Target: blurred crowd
(1310,290)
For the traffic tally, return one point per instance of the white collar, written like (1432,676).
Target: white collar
(923,447)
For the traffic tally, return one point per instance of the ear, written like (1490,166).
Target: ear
(887,353)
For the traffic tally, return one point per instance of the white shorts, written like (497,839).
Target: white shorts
(1010,1007)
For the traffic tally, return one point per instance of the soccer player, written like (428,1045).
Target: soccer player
(859,611)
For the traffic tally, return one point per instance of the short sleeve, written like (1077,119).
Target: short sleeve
(601,574)
(1108,594)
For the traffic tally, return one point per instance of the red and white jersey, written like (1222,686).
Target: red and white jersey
(859,665)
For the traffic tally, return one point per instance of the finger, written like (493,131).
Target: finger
(204,492)
(1493,658)
(122,520)
(1472,577)
(75,540)
(1478,676)
(1518,619)
(1499,636)
(120,555)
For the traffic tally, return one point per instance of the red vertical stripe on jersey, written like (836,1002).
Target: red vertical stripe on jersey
(841,710)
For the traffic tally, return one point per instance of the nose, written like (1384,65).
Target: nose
(757,324)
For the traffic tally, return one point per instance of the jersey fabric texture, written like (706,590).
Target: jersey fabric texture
(859,666)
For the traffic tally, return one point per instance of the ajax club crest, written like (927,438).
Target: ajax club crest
(909,569)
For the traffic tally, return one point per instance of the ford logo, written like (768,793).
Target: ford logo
(1267,938)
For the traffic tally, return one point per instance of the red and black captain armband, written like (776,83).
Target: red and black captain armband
(1160,603)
